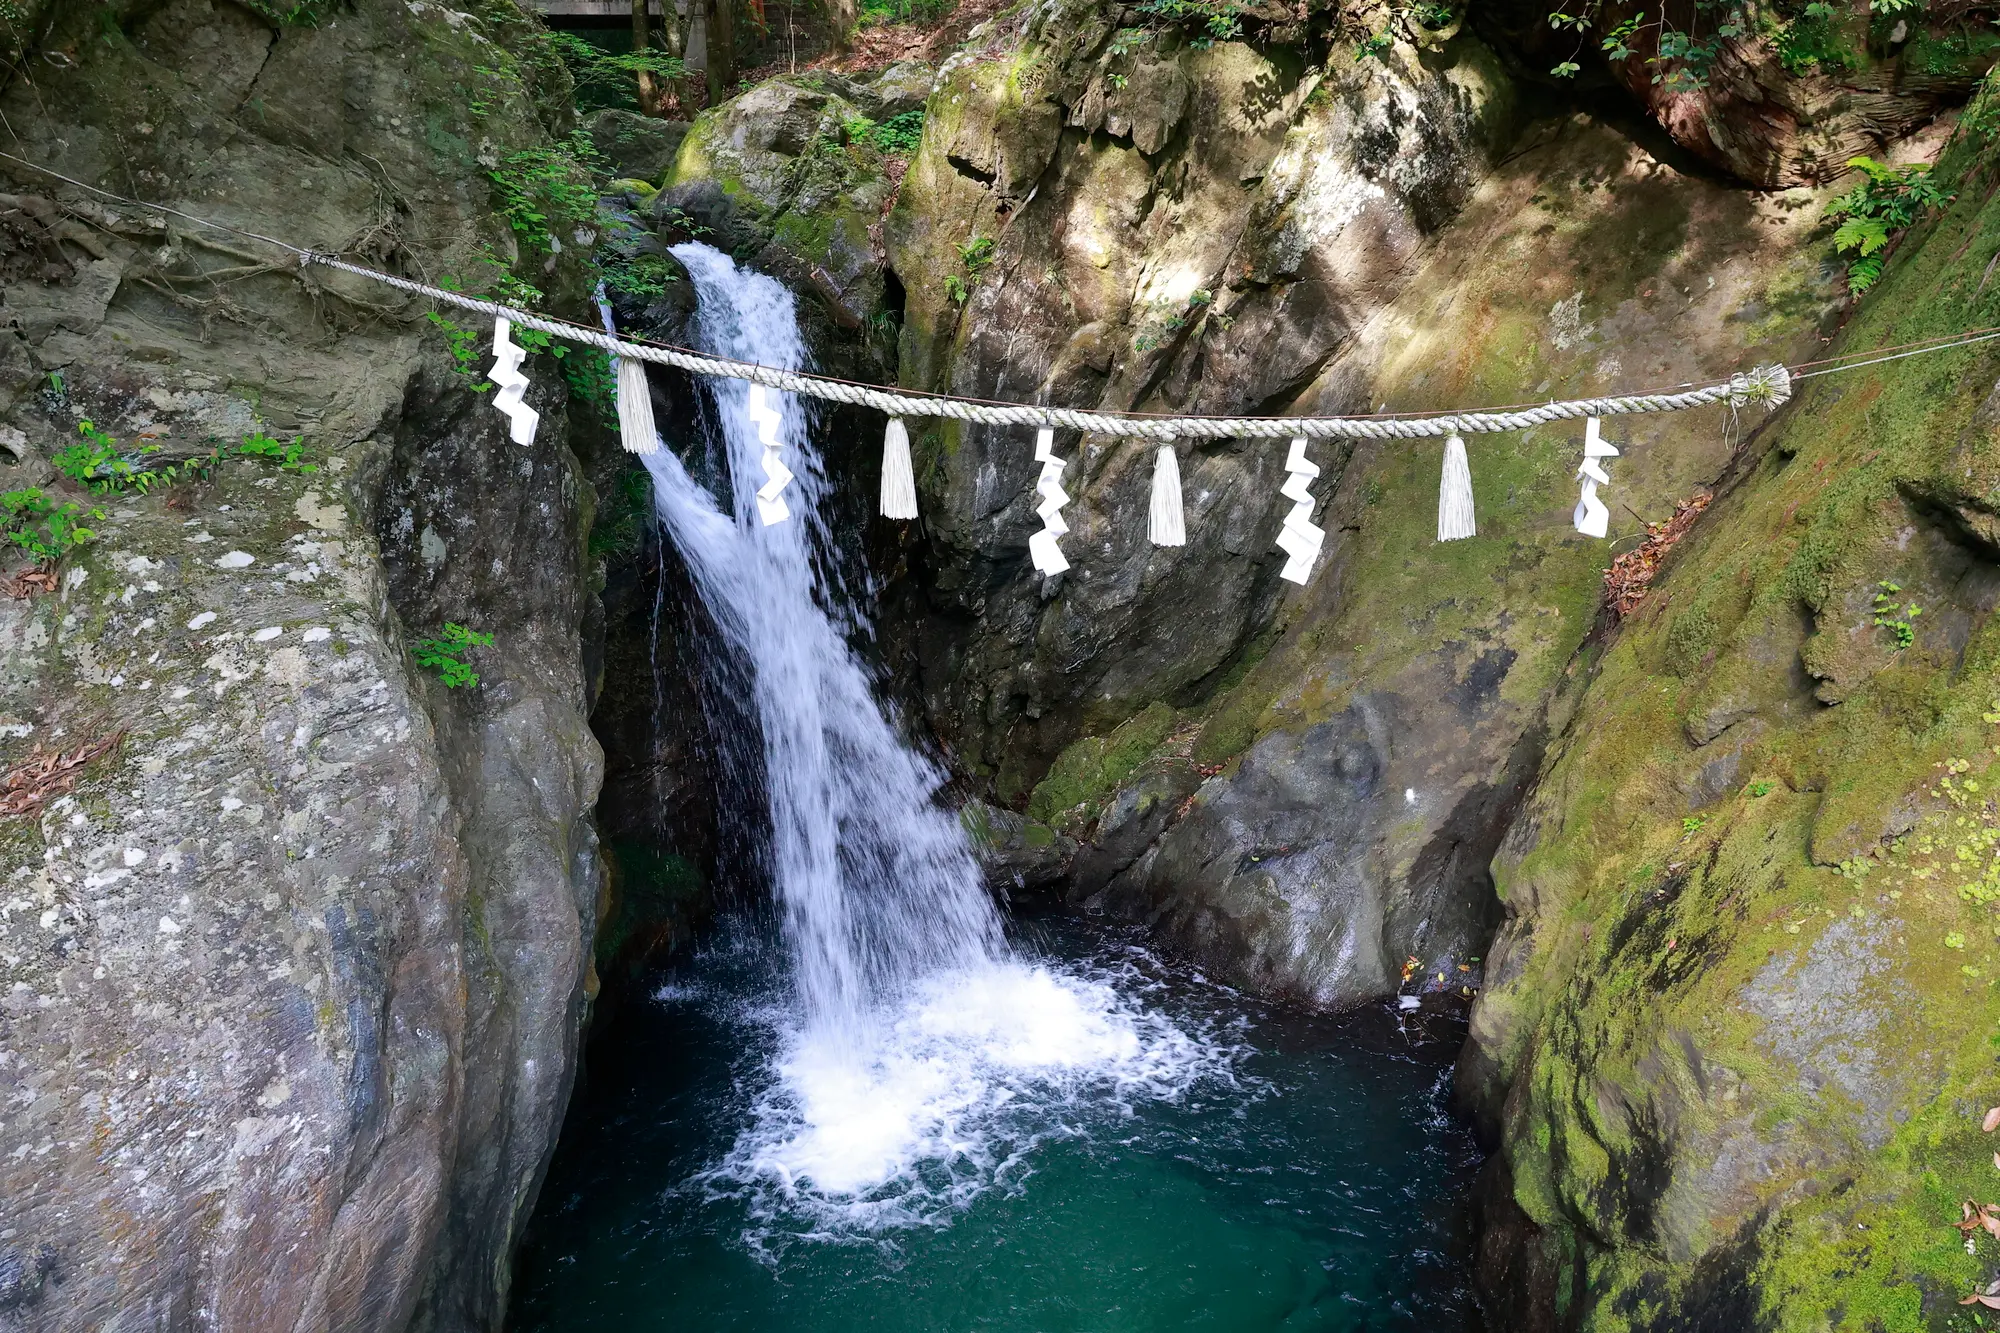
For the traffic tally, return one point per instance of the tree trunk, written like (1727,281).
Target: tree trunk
(842,17)
(676,31)
(649,96)
(721,50)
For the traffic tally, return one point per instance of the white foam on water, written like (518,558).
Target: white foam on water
(964,1077)
(918,1059)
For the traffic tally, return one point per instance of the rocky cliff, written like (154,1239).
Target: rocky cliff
(1736,1042)
(293,968)
(296,940)
(1733,1036)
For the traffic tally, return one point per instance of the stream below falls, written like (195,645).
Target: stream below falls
(1308,1177)
(876,1106)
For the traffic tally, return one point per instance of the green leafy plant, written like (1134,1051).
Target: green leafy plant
(546,191)
(588,372)
(899,135)
(96,463)
(1205,22)
(602,77)
(445,654)
(46,528)
(1761,788)
(620,519)
(290,454)
(1682,58)
(1894,619)
(1813,41)
(292,13)
(977,256)
(1692,824)
(642,277)
(1885,202)
(462,345)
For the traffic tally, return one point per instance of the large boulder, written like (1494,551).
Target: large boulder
(633,146)
(796,172)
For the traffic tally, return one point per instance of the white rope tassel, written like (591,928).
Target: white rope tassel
(1592,518)
(899,480)
(1455,521)
(1043,547)
(506,372)
(636,430)
(1165,525)
(770,496)
(1300,538)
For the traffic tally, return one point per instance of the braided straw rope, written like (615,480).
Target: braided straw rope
(1771,385)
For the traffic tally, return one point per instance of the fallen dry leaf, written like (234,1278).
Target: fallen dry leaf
(1630,577)
(28,583)
(1992,1120)
(1981,1298)
(47,774)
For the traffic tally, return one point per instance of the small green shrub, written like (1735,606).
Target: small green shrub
(292,13)
(1204,21)
(645,278)
(96,463)
(977,256)
(588,372)
(444,654)
(899,135)
(545,191)
(1896,620)
(1888,200)
(621,518)
(902,11)
(45,528)
(290,455)
(1812,42)
(462,346)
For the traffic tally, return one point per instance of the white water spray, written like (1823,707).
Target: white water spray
(911,1072)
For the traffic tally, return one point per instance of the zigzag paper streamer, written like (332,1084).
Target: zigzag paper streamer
(770,496)
(1299,539)
(506,372)
(1043,547)
(1592,519)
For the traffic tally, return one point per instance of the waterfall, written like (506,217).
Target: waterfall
(876,883)
(920,1055)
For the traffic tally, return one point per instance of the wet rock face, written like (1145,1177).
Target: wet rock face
(1116,218)
(292,975)
(1733,1048)
(1209,773)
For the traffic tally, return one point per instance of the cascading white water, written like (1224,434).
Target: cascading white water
(920,1048)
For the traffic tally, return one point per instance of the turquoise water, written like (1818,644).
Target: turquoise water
(1308,1178)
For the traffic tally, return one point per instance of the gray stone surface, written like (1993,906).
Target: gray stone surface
(636,146)
(291,981)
